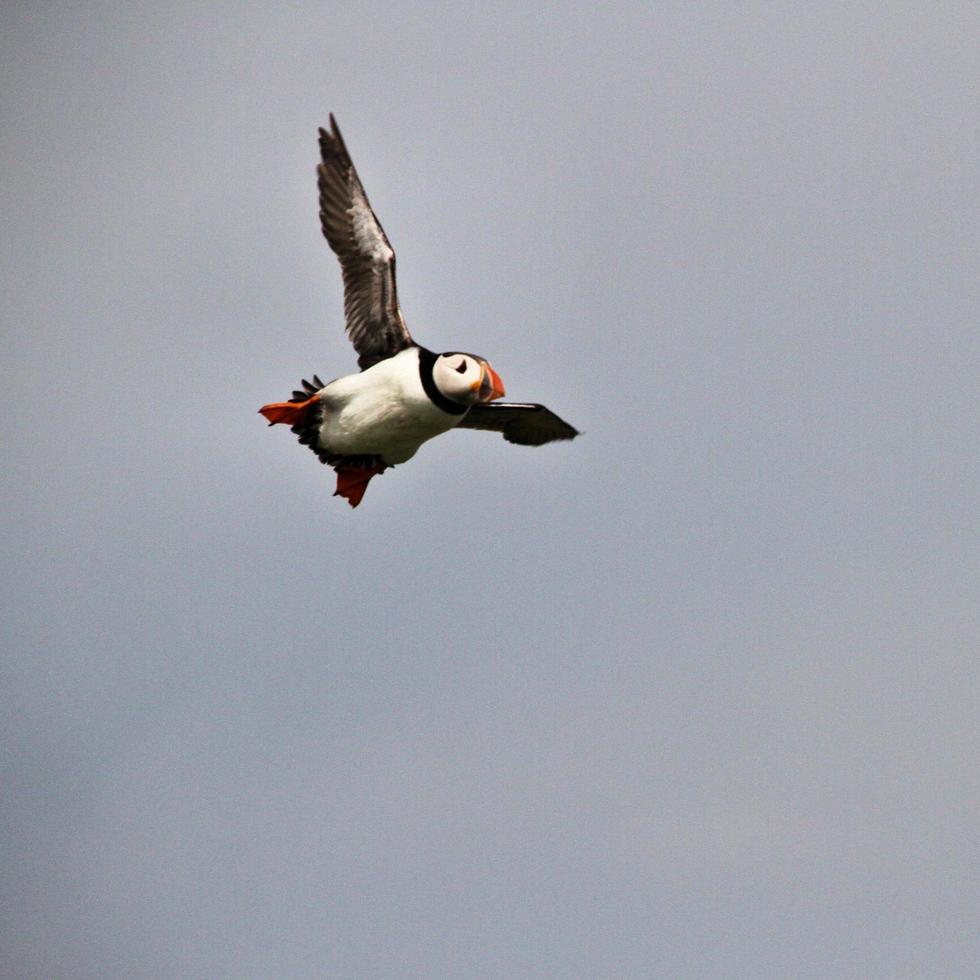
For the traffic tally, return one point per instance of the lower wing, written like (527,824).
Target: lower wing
(525,425)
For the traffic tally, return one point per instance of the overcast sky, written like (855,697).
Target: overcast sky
(693,696)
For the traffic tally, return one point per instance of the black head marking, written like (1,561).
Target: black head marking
(426,361)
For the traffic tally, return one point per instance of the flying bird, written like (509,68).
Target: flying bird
(362,424)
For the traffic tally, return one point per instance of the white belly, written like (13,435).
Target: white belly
(381,412)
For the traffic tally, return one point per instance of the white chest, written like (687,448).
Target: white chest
(382,411)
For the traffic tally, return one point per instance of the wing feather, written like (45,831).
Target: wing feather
(375,323)
(522,424)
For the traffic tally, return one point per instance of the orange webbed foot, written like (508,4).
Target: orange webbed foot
(351,483)
(290,413)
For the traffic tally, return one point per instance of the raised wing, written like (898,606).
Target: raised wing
(525,425)
(374,322)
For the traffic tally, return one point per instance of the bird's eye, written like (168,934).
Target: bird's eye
(462,367)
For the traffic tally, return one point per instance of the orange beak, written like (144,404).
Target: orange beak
(490,384)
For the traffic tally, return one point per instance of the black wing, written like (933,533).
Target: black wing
(525,425)
(375,324)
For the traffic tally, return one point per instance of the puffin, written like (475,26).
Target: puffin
(405,394)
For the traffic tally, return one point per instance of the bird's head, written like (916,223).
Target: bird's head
(466,378)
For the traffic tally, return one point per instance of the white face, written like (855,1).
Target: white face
(466,379)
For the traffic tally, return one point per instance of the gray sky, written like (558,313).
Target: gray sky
(694,696)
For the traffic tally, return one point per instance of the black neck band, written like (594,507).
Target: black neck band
(426,362)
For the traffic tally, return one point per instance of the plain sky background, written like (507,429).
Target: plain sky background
(694,696)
